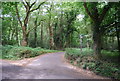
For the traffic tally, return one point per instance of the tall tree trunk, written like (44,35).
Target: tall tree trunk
(97,41)
(51,41)
(118,40)
(16,34)
(35,34)
(97,19)
(41,34)
(12,34)
(117,17)
(29,9)
(24,41)
(9,34)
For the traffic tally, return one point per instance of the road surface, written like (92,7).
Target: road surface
(48,66)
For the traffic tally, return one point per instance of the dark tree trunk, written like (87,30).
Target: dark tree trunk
(42,34)
(16,34)
(97,40)
(97,19)
(118,40)
(35,38)
(35,34)
(117,17)
(68,35)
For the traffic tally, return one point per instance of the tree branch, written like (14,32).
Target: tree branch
(104,11)
(32,4)
(88,12)
(37,7)
(27,3)
(110,25)
(17,12)
(30,30)
(96,14)
(24,4)
(26,18)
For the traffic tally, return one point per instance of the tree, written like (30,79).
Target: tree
(50,26)
(10,24)
(36,23)
(29,9)
(117,16)
(97,19)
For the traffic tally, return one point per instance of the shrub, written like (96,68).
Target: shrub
(15,52)
(110,54)
(85,60)
(74,53)
(5,50)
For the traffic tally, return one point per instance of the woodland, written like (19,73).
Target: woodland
(89,33)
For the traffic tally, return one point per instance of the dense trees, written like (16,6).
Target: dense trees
(56,25)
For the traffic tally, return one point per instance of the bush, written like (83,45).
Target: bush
(5,50)
(22,52)
(15,52)
(85,60)
(110,54)
(74,53)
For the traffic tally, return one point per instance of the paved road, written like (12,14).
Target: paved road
(48,66)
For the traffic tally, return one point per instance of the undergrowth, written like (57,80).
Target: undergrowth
(16,53)
(85,59)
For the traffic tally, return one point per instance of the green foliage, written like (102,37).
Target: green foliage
(78,51)
(74,53)
(15,52)
(6,48)
(85,60)
(68,20)
(110,54)
(111,70)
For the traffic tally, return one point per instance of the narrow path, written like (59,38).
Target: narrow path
(48,66)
